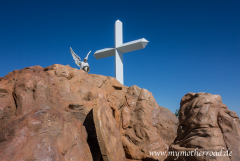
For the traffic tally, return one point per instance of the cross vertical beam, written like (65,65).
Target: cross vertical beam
(118,54)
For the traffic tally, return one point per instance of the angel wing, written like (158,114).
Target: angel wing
(75,57)
(87,55)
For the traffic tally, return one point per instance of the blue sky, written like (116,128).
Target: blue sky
(194,46)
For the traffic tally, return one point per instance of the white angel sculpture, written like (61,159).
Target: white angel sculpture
(82,64)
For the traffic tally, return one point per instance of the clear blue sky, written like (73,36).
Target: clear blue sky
(194,45)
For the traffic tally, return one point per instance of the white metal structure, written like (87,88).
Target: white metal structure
(119,49)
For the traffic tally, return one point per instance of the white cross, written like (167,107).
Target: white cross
(119,49)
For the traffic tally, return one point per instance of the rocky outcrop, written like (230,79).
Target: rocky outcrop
(148,128)
(61,113)
(207,130)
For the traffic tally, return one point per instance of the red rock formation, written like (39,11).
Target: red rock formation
(149,127)
(61,113)
(206,125)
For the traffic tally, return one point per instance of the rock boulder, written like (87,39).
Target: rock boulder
(62,113)
(207,130)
